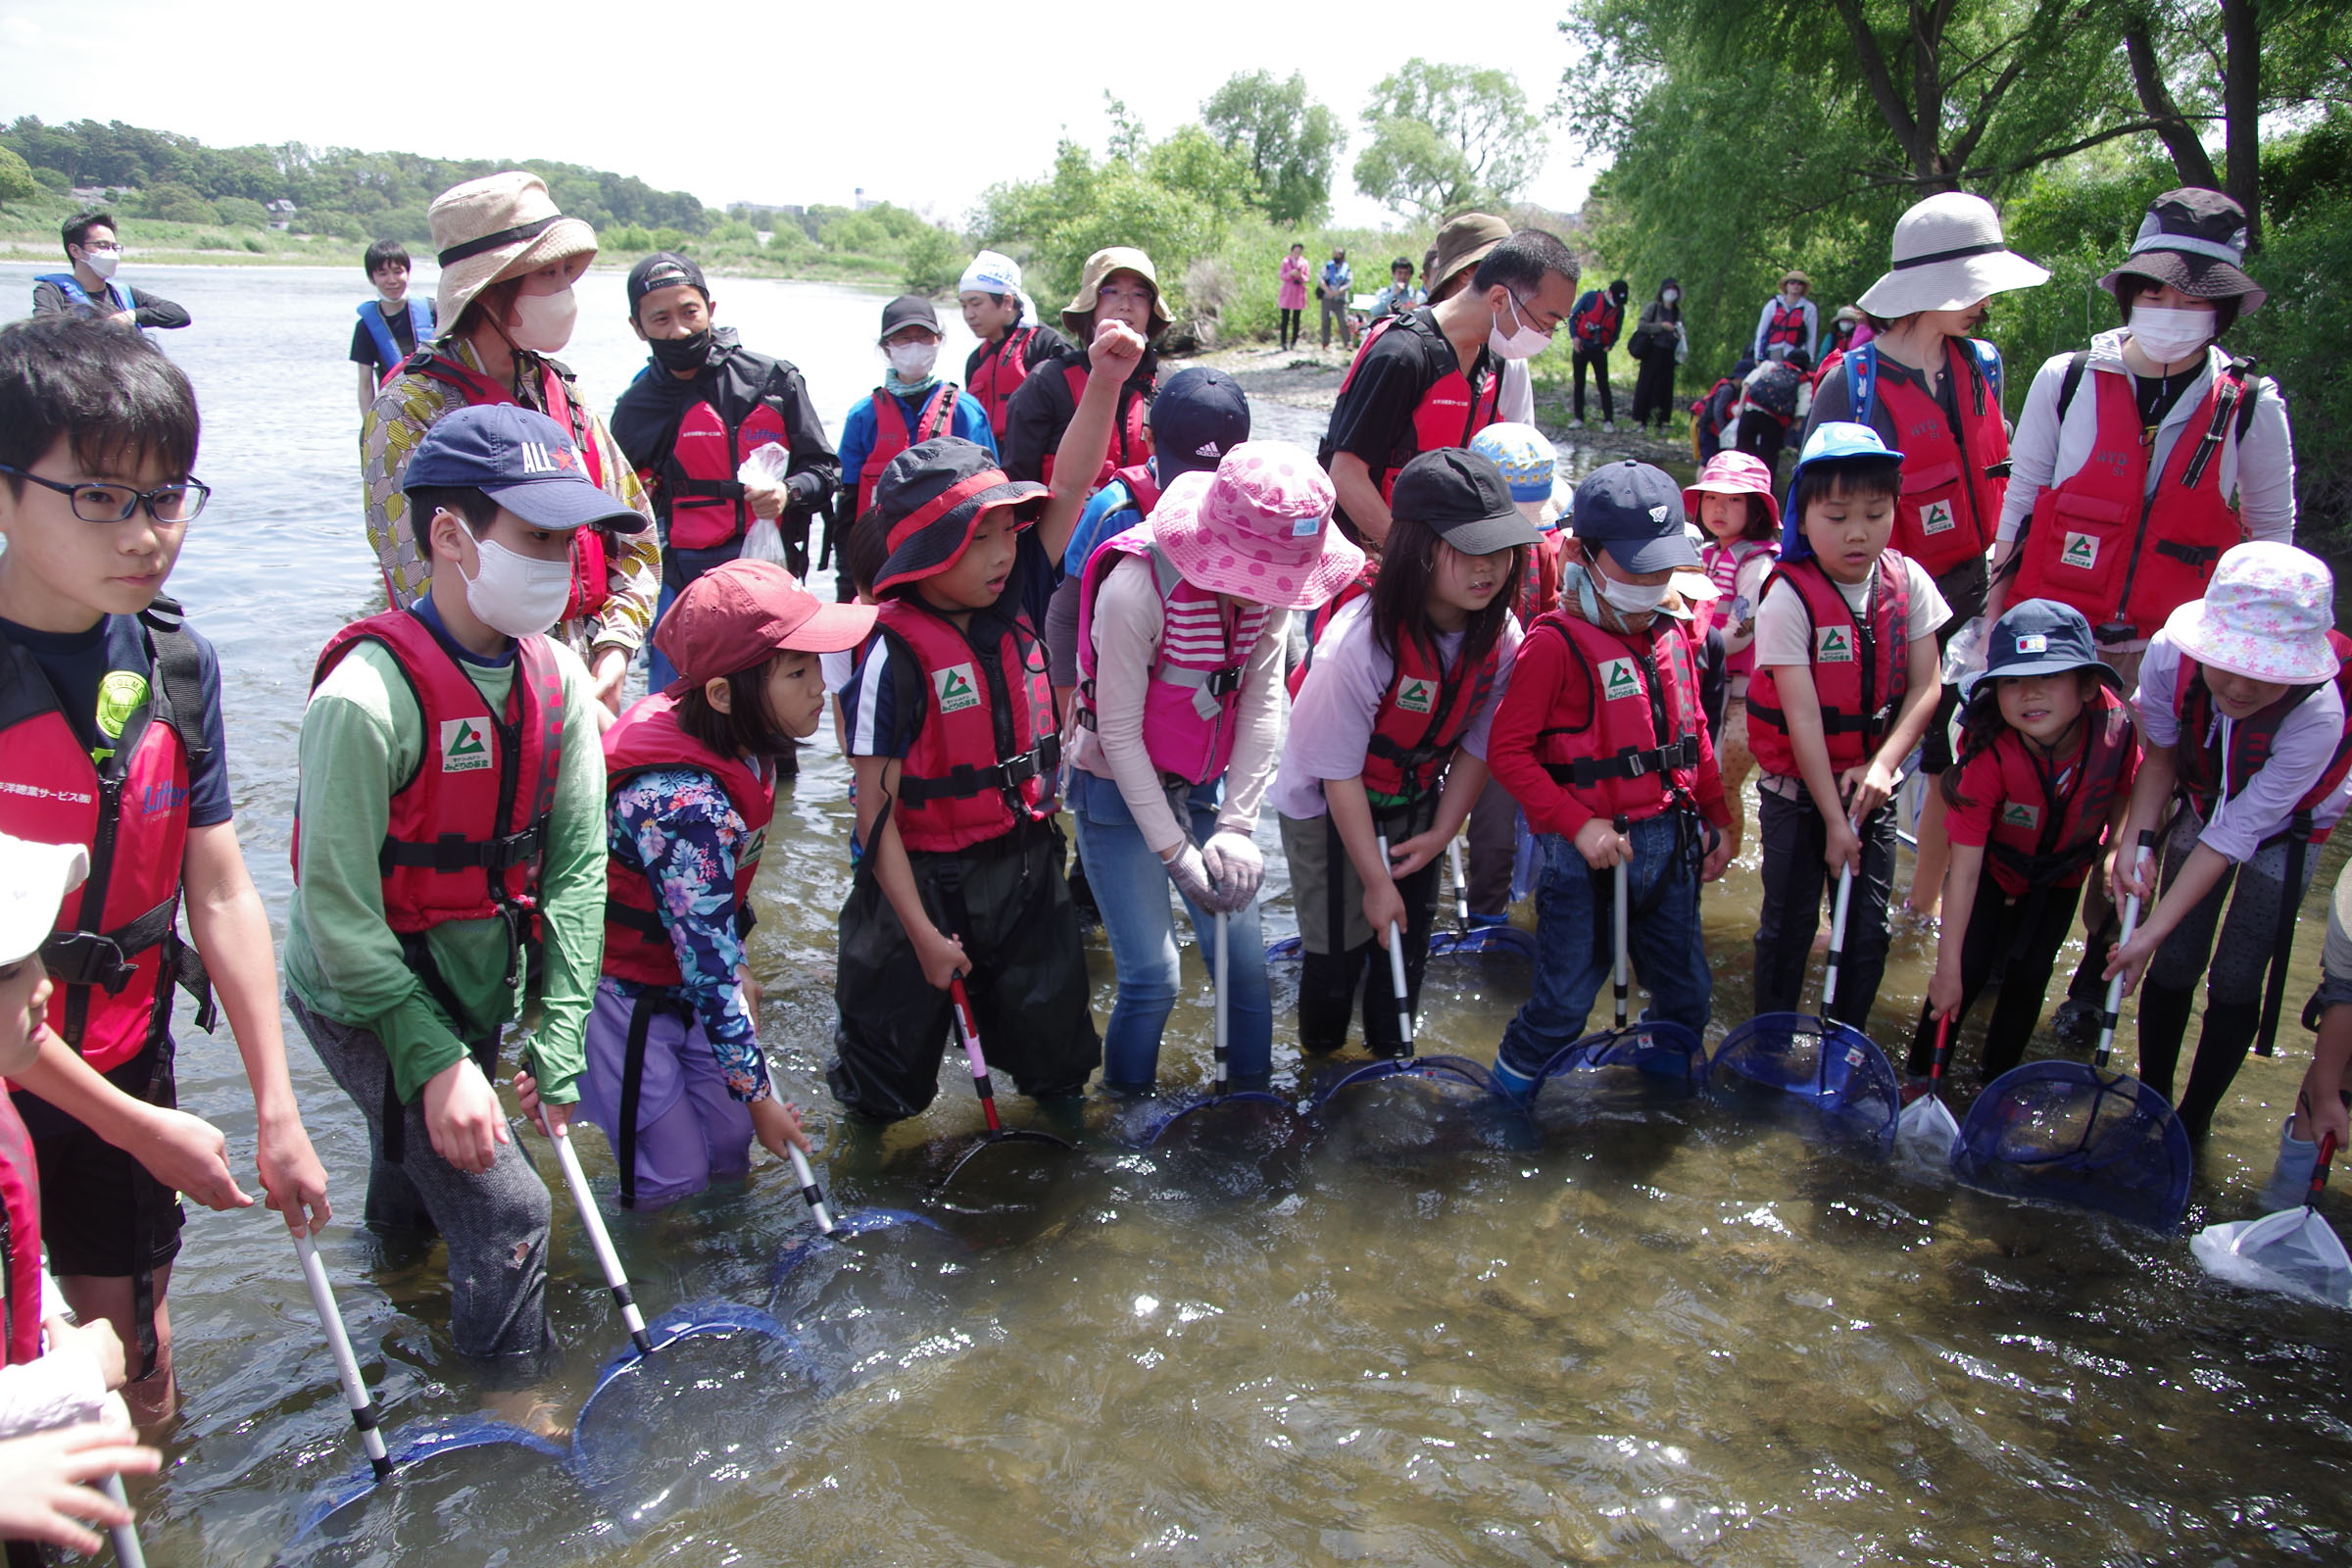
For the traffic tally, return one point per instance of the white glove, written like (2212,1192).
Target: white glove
(1236,865)
(1189,873)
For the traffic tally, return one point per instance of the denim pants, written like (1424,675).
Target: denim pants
(1576,941)
(659,671)
(1131,887)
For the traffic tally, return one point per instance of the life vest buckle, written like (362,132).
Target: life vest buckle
(1223,683)
(87,959)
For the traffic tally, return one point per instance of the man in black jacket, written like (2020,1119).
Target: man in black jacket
(90,289)
(700,406)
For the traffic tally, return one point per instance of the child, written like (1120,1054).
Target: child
(1013,340)
(1846,678)
(1394,705)
(1732,502)
(1602,725)
(450,867)
(114,741)
(2322,1109)
(911,406)
(675,1074)
(2241,707)
(392,325)
(2037,794)
(1180,659)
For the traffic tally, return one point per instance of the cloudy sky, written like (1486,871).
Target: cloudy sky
(923,104)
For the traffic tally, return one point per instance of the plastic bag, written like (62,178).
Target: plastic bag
(1964,655)
(1682,344)
(765,466)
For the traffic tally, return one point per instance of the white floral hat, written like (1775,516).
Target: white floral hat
(2266,615)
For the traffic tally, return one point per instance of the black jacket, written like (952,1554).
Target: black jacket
(734,381)
(148,310)
(1042,408)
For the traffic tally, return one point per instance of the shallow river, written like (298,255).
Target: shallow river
(1639,1334)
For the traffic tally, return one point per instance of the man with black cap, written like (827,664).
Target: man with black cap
(702,404)
(1598,317)
(1602,741)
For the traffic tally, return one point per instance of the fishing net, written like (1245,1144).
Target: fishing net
(2064,1132)
(2293,1251)
(483,1492)
(1507,942)
(1406,1117)
(1827,1064)
(1926,1131)
(1666,1050)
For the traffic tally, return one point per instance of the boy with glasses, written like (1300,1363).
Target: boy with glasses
(90,289)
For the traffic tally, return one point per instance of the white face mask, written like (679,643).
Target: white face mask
(1672,295)
(103,263)
(516,595)
(2170,335)
(543,322)
(1522,342)
(1630,598)
(913,360)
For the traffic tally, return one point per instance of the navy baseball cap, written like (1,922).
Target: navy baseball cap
(2039,637)
(525,462)
(1198,417)
(1634,512)
(664,269)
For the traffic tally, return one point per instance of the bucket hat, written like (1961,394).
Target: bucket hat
(523,461)
(741,612)
(1258,528)
(1079,314)
(501,226)
(2266,615)
(1832,441)
(1462,497)
(1523,454)
(2195,240)
(931,497)
(36,880)
(1199,415)
(2039,637)
(1634,512)
(1464,241)
(1793,275)
(1948,254)
(1731,474)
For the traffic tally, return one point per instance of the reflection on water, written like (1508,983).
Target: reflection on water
(1642,1327)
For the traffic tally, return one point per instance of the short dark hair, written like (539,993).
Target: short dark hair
(867,549)
(77,228)
(115,398)
(1835,477)
(1521,261)
(467,500)
(385,252)
(1403,261)
(2130,286)
(746,728)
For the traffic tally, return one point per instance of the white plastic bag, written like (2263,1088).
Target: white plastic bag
(1964,655)
(765,466)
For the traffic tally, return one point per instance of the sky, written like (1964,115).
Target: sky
(920,104)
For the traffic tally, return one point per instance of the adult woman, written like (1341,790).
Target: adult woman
(1657,345)
(1290,300)
(507,262)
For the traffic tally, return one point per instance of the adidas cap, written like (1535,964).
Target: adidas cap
(1199,415)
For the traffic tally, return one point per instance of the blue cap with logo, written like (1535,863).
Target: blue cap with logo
(1634,511)
(1832,441)
(2039,637)
(525,462)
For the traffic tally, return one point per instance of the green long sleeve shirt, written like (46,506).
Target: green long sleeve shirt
(361,735)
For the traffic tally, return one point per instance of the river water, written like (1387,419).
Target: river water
(1651,1334)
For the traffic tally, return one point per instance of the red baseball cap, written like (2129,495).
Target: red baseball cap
(743,612)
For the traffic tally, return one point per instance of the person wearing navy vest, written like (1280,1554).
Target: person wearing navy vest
(448,871)
(89,290)
(1119,285)
(911,406)
(957,752)
(700,406)
(1013,340)
(1432,377)
(1602,740)
(391,327)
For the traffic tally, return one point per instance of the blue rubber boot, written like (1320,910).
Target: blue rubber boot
(2291,1178)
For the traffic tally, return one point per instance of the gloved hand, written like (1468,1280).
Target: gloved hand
(1189,873)
(1236,865)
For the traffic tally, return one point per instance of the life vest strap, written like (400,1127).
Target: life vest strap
(1632,763)
(1218,683)
(713,489)
(455,851)
(965,779)
(1878,722)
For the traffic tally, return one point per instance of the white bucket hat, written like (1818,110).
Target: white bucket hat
(34,879)
(2266,615)
(1948,254)
(501,226)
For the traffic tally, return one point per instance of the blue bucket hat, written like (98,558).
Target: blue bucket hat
(1832,441)
(2039,637)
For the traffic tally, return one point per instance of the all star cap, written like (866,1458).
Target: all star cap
(523,461)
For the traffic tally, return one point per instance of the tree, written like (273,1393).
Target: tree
(1289,142)
(17,181)
(1445,137)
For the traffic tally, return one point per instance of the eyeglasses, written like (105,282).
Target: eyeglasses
(1528,315)
(1124,296)
(115,503)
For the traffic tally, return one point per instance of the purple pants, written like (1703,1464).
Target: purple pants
(687,1130)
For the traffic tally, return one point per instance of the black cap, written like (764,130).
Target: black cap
(909,310)
(1634,512)
(664,269)
(1199,415)
(1461,496)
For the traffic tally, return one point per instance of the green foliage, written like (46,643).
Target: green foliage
(1193,163)
(934,259)
(1289,142)
(1445,137)
(1238,284)
(175,203)
(2299,336)
(241,212)
(18,181)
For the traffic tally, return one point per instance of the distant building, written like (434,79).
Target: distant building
(857,201)
(281,212)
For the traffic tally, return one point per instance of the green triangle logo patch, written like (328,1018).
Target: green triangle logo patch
(954,689)
(1414,697)
(1833,645)
(1617,680)
(2082,550)
(465,745)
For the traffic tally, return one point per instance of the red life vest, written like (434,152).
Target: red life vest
(1451,411)
(469,828)
(2204,772)
(1722,563)
(20,1241)
(1597,320)
(591,585)
(1004,366)
(1619,761)
(1861,668)
(2040,839)
(637,945)
(697,480)
(2105,543)
(116,950)
(1351,591)
(1127,448)
(1142,484)
(1950,499)
(1788,324)
(1540,578)
(1195,680)
(983,762)
(1421,719)
(892,438)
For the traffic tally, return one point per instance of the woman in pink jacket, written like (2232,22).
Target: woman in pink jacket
(1292,301)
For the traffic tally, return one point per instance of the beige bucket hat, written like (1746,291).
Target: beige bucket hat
(1076,316)
(498,226)
(1463,242)
(1948,254)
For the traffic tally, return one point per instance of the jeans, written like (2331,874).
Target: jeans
(659,671)
(1576,942)
(1131,887)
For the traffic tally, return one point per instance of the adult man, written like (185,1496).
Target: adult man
(1789,321)
(90,289)
(1331,287)
(1430,378)
(1397,295)
(1592,328)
